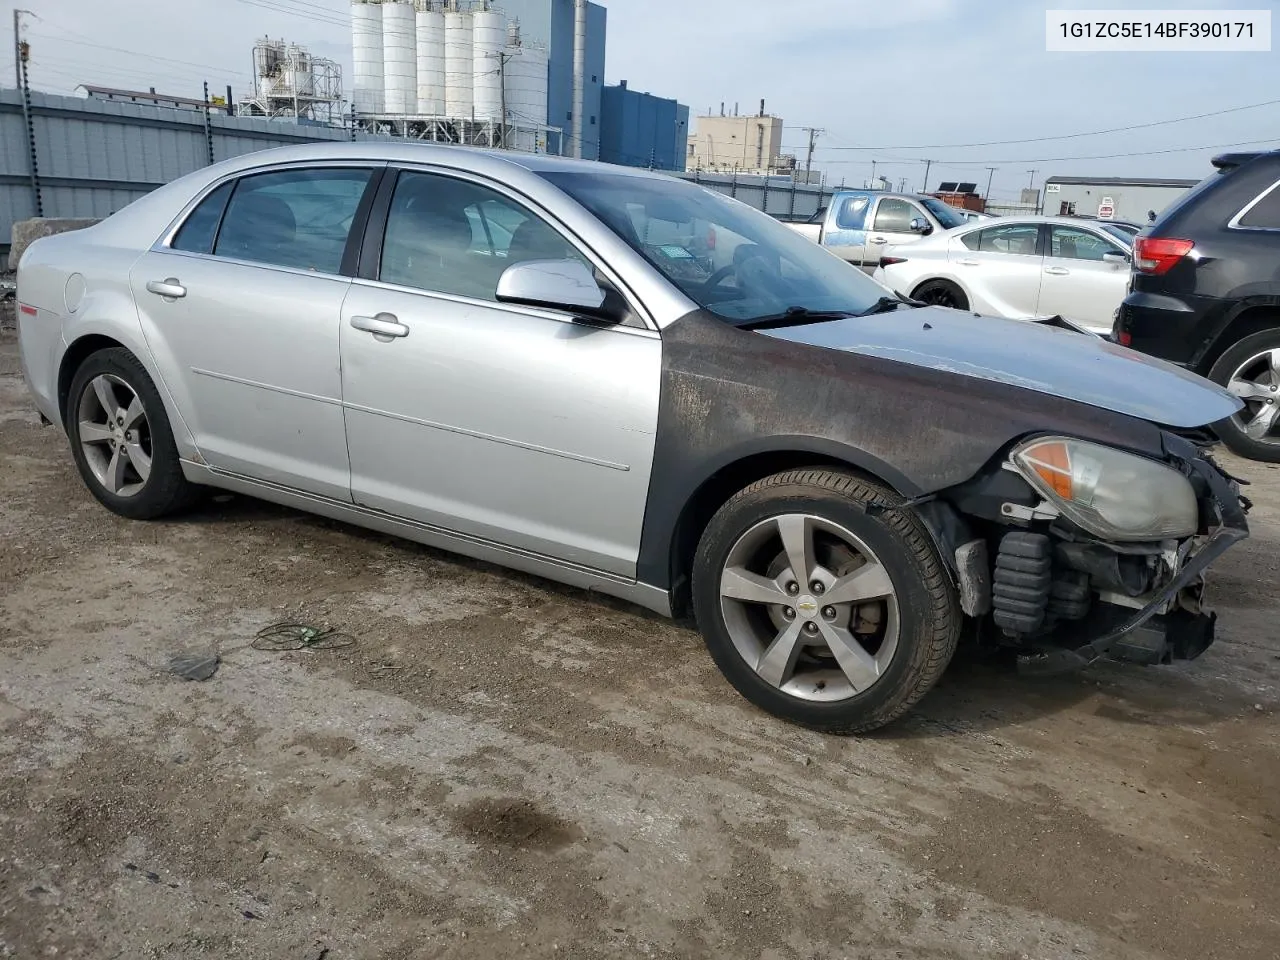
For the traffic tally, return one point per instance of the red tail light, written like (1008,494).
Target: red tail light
(890,261)
(1157,255)
(28,310)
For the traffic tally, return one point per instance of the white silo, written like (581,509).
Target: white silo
(430,59)
(366,56)
(458,79)
(399,57)
(526,76)
(489,33)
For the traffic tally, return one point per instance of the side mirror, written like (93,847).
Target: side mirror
(557,284)
(919,225)
(1115,257)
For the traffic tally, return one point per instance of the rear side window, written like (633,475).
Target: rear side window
(293,218)
(1019,238)
(853,213)
(196,235)
(1265,212)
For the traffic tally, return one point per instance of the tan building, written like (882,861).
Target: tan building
(749,145)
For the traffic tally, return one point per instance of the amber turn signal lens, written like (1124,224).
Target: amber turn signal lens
(1052,463)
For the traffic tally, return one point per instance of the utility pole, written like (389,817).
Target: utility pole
(17,45)
(925,187)
(502,84)
(873,174)
(1031,183)
(23,51)
(813,138)
(991,172)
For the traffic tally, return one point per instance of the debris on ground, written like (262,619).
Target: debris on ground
(194,666)
(299,636)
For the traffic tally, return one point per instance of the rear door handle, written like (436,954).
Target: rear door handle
(169,288)
(1057,271)
(384,326)
(968,263)
(877,240)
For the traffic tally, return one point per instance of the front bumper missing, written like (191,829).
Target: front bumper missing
(1151,635)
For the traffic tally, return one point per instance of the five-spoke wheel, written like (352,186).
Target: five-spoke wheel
(1250,370)
(121,439)
(823,603)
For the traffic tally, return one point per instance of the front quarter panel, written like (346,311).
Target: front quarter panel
(729,394)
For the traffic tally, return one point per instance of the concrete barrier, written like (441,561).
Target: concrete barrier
(26,232)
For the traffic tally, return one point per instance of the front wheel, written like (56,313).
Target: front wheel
(823,601)
(1250,369)
(121,440)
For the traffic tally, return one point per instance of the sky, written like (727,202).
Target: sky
(891,82)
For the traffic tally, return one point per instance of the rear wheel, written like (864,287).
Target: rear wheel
(941,293)
(822,602)
(121,439)
(1250,369)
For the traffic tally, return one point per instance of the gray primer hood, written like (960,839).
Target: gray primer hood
(1026,354)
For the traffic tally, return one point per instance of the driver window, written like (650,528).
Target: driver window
(457,237)
(895,216)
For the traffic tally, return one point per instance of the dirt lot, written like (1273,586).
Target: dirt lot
(502,767)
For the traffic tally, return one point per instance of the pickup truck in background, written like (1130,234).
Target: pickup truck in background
(858,224)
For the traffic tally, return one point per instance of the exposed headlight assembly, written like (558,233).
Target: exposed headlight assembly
(1112,494)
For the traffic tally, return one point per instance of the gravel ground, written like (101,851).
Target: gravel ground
(504,767)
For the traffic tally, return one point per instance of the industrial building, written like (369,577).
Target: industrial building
(288,82)
(744,145)
(524,74)
(1112,198)
(641,130)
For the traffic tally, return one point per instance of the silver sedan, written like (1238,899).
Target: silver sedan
(1018,267)
(549,364)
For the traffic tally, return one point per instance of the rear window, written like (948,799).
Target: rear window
(1208,183)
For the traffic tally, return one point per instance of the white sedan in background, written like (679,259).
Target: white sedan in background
(1018,267)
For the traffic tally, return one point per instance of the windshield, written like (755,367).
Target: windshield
(726,257)
(946,214)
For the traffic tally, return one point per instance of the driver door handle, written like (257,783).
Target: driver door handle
(168,288)
(1057,271)
(876,240)
(384,327)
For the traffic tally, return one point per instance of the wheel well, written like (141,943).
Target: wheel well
(715,491)
(946,281)
(76,354)
(1245,324)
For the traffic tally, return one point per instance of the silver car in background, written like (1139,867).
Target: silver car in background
(631,384)
(1018,267)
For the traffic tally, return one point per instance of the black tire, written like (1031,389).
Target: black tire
(165,489)
(928,607)
(1231,430)
(941,293)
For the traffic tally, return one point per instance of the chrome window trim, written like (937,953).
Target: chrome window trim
(642,313)
(296,271)
(165,243)
(537,313)
(1234,222)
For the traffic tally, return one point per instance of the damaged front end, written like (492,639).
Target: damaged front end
(1069,552)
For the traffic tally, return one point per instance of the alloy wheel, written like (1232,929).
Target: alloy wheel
(1257,383)
(114,435)
(809,607)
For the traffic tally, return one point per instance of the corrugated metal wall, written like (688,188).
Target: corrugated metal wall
(96,156)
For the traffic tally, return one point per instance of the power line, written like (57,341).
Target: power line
(321,14)
(1066,136)
(1099,156)
(147,56)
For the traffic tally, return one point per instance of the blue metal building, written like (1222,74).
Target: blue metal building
(550,22)
(641,130)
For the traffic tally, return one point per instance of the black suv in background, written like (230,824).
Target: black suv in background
(1205,292)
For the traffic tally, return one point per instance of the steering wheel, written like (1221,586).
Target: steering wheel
(719,276)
